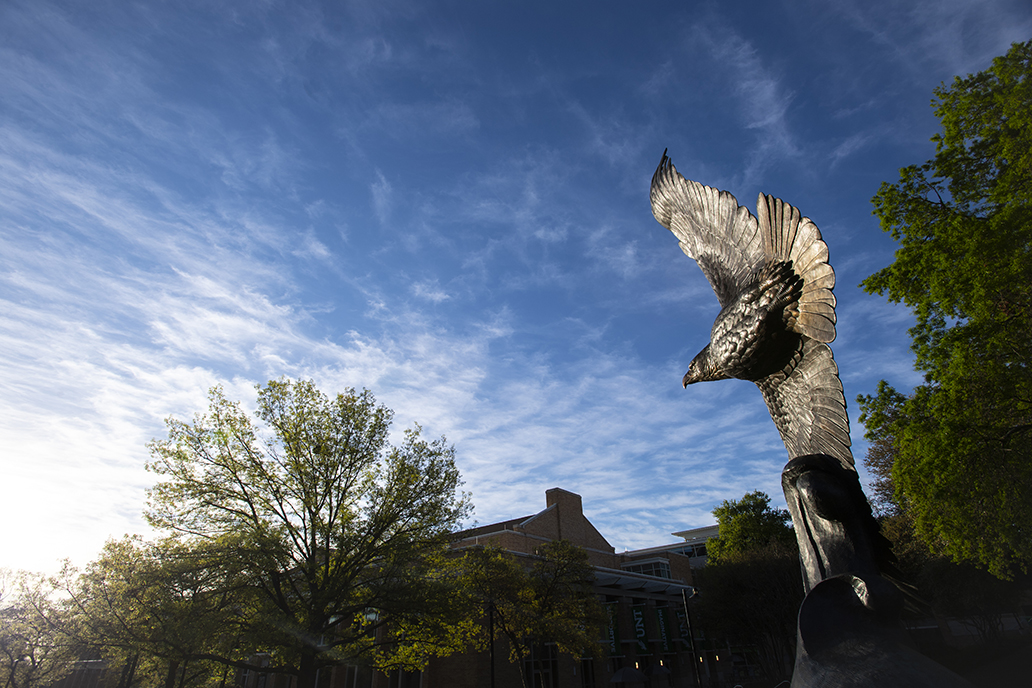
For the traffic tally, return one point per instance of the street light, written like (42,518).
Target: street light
(691,633)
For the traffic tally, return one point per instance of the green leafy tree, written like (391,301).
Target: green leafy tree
(752,597)
(963,220)
(33,652)
(747,524)
(547,598)
(934,583)
(337,532)
(964,591)
(161,611)
(751,587)
(879,460)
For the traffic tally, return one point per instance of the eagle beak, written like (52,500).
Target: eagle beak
(697,368)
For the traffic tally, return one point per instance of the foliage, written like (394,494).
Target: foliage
(438,624)
(547,598)
(961,590)
(751,587)
(910,551)
(33,652)
(948,588)
(963,221)
(752,596)
(747,524)
(879,460)
(161,610)
(335,532)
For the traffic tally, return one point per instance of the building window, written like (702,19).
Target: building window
(696,550)
(400,678)
(587,673)
(543,666)
(658,568)
(358,677)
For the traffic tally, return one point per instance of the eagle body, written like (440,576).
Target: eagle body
(771,275)
(750,338)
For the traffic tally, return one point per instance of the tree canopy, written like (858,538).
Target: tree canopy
(159,610)
(33,652)
(546,598)
(751,587)
(338,536)
(963,221)
(748,523)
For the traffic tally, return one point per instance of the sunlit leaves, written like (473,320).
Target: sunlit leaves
(336,531)
(746,524)
(963,221)
(33,651)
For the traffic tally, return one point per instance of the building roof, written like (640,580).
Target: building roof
(695,534)
(511,524)
(563,519)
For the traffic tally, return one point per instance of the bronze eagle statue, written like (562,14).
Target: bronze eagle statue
(772,278)
(774,284)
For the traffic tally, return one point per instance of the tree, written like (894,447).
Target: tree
(879,460)
(752,597)
(546,599)
(33,652)
(751,587)
(161,610)
(335,531)
(963,221)
(746,524)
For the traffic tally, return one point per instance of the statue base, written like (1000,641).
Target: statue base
(849,633)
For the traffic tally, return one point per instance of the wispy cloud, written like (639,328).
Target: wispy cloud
(958,37)
(417,120)
(848,147)
(430,290)
(762,97)
(610,249)
(610,137)
(381,190)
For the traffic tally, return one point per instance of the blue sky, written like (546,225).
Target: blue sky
(446,203)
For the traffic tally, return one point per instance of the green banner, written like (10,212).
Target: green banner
(664,633)
(638,613)
(682,626)
(613,632)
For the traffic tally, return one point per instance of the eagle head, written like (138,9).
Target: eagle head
(702,369)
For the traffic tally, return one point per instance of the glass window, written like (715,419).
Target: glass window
(587,673)
(660,569)
(543,666)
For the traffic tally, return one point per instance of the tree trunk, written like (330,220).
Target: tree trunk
(307,671)
(525,667)
(128,671)
(170,677)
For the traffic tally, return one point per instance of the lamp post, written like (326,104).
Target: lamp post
(691,634)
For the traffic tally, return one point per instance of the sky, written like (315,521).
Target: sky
(446,203)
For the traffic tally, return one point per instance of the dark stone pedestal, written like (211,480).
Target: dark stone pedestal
(849,630)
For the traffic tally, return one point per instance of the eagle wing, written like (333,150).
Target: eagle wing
(720,235)
(731,245)
(806,401)
(804,397)
(789,237)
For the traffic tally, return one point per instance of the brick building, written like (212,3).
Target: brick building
(642,591)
